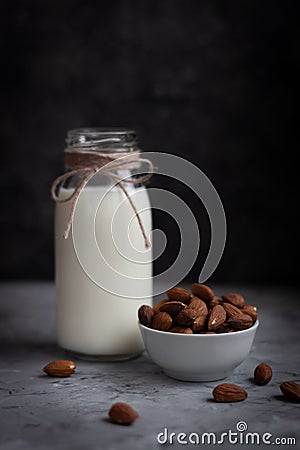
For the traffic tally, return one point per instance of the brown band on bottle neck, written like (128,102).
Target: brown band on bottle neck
(78,159)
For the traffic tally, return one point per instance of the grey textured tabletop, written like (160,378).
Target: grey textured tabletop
(39,412)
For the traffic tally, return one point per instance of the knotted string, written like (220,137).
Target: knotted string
(88,163)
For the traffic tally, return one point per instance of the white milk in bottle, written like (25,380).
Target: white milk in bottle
(103,269)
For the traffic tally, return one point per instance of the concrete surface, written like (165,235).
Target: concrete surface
(43,413)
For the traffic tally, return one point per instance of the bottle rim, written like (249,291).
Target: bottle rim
(103,139)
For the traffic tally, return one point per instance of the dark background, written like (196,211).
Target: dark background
(212,81)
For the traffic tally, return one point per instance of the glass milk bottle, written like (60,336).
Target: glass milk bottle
(103,268)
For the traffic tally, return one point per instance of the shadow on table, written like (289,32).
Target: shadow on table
(140,369)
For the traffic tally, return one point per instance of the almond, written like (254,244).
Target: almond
(291,391)
(241,322)
(217,317)
(202,291)
(207,332)
(262,374)
(162,321)
(215,301)
(60,368)
(199,306)
(186,317)
(157,306)
(225,328)
(199,323)
(172,308)
(179,294)
(251,311)
(146,315)
(235,299)
(182,330)
(228,392)
(231,310)
(122,414)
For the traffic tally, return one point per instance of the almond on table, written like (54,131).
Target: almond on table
(122,414)
(228,393)
(291,391)
(262,374)
(60,368)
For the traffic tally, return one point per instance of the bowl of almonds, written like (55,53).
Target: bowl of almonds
(197,336)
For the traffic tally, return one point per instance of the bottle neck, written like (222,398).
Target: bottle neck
(102,140)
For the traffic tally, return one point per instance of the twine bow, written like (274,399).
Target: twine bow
(87,164)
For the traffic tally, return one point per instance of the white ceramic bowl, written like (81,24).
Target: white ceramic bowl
(198,357)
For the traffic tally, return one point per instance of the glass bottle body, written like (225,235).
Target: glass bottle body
(96,312)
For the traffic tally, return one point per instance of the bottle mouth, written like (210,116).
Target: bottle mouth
(103,139)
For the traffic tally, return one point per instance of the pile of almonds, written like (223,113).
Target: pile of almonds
(198,312)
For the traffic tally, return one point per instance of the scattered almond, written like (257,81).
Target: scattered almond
(291,391)
(262,374)
(60,368)
(227,393)
(122,414)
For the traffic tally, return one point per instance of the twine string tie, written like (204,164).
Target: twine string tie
(87,164)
